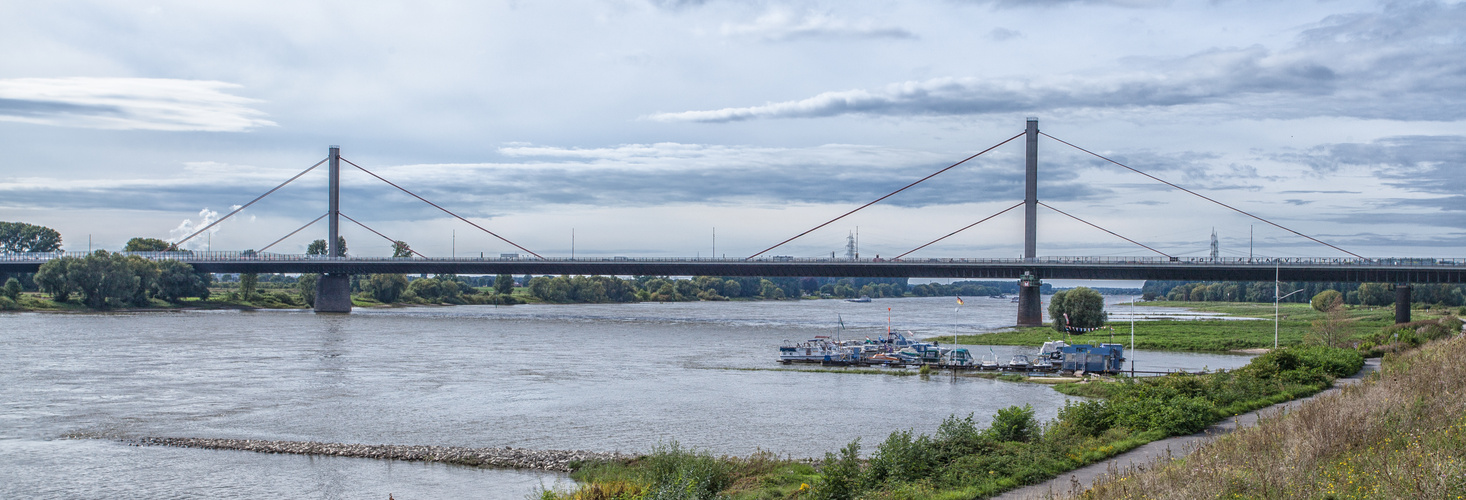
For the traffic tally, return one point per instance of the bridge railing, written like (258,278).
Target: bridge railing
(237,256)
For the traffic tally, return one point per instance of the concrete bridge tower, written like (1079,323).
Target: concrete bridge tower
(1030,303)
(333,290)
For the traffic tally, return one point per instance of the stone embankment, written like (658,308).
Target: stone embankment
(551,460)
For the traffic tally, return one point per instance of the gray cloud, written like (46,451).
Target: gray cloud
(1400,63)
(128,104)
(1434,166)
(625,176)
(1003,34)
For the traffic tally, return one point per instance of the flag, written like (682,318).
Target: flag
(959,301)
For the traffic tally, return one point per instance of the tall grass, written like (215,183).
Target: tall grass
(1400,434)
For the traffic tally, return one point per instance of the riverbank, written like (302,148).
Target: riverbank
(513,458)
(965,460)
(1398,434)
(1078,481)
(1295,323)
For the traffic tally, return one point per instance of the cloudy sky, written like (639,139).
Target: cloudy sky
(644,127)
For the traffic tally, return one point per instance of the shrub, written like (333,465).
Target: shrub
(680,473)
(902,458)
(840,479)
(1014,424)
(12,289)
(1327,300)
(1089,418)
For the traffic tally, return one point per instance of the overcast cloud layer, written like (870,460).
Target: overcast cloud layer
(642,125)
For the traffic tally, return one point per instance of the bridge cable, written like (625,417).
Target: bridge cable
(374,231)
(969,226)
(292,233)
(1061,212)
(892,193)
(435,205)
(1240,211)
(246,205)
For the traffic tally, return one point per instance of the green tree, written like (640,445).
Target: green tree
(148,245)
(504,284)
(1376,294)
(12,289)
(318,247)
(177,280)
(305,285)
(1056,309)
(22,237)
(400,249)
(248,283)
(386,288)
(1084,307)
(106,279)
(428,289)
(51,278)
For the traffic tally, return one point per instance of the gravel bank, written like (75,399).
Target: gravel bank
(551,460)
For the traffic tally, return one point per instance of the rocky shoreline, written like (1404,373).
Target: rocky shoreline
(549,460)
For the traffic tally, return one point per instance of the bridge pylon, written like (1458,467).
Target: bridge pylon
(333,290)
(1030,302)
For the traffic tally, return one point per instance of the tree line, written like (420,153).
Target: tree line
(104,280)
(1369,294)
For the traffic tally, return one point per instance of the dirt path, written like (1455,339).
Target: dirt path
(1082,478)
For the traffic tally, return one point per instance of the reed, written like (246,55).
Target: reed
(1399,434)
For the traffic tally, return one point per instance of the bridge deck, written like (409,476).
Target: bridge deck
(1404,270)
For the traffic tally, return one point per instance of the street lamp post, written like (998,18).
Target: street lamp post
(1132,335)
(1277,288)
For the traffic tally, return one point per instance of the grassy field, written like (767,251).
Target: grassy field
(1400,434)
(1214,335)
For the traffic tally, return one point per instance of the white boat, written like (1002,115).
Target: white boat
(1018,363)
(862,299)
(817,350)
(957,357)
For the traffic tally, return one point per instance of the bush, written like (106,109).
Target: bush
(6,304)
(841,478)
(12,289)
(1088,418)
(1333,361)
(902,458)
(680,473)
(1327,300)
(1014,424)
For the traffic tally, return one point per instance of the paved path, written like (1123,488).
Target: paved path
(1084,477)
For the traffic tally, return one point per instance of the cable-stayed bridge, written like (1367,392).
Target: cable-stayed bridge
(333,289)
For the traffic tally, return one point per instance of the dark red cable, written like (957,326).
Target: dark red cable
(374,231)
(877,200)
(1193,193)
(435,205)
(1102,229)
(969,226)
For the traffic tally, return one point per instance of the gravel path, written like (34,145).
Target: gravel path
(551,460)
(1081,479)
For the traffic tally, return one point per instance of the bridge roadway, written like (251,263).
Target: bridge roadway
(1385,270)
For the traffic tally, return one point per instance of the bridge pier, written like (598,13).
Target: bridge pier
(1402,303)
(1030,302)
(333,293)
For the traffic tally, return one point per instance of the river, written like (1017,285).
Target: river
(601,377)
